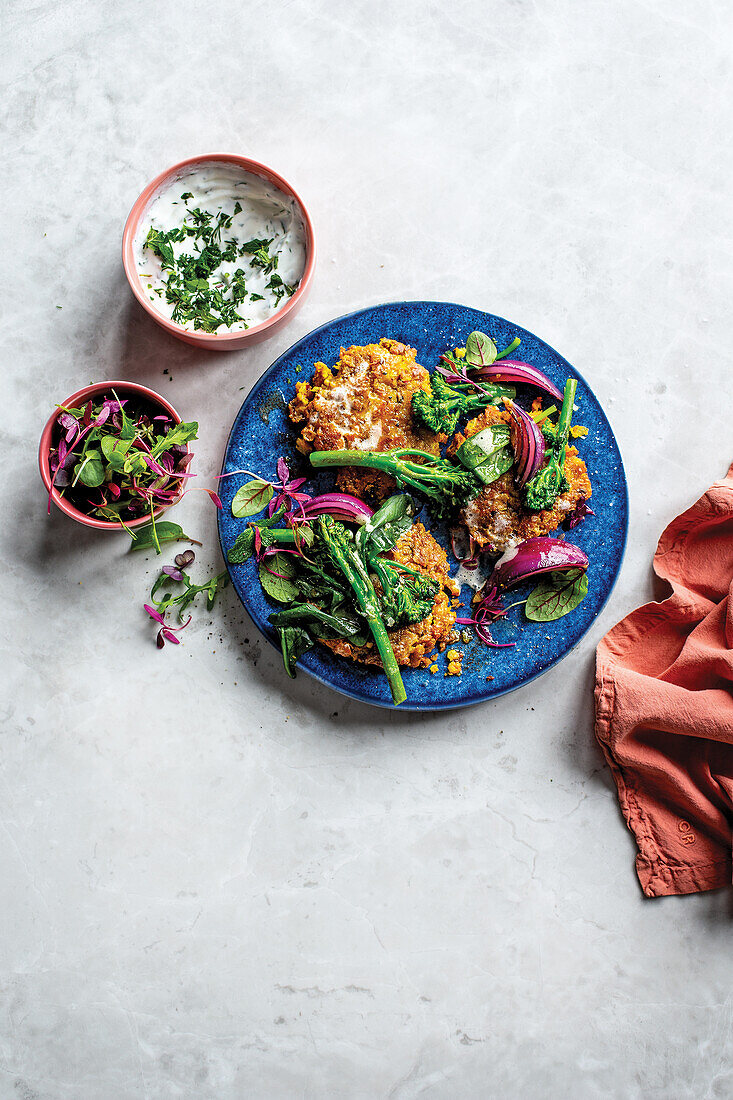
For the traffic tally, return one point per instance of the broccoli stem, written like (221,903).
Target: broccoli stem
(377,460)
(566,416)
(431,476)
(542,491)
(353,569)
(282,534)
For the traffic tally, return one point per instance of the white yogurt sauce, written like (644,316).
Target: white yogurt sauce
(266,213)
(474,578)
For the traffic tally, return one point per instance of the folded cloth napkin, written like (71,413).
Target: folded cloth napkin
(664,706)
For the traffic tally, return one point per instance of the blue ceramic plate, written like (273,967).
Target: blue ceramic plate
(262,432)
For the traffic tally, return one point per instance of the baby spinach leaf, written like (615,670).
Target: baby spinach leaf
(384,528)
(556,595)
(294,642)
(143,538)
(480,350)
(251,498)
(276,577)
(488,453)
(115,450)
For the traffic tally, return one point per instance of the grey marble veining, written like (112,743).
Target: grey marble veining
(218,884)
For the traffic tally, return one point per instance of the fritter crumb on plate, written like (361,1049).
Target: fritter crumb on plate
(363,402)
(496,518)
(413,644)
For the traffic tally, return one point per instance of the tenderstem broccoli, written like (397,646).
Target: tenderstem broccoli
(407,594)
(447,487)
(545,487)
(441,407)
(338,543)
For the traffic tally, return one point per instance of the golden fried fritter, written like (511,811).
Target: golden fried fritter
(363,402)
(496,518)
(413,644)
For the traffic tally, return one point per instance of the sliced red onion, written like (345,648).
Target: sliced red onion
(578,514)
(533,556)
(528,443)
(339,505)
(512,370)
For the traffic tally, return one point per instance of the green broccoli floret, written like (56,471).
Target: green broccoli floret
(549,431)
(407,595)
(545,487)
(438,416)
(440,409)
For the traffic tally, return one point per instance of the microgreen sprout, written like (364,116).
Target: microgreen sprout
(172,575)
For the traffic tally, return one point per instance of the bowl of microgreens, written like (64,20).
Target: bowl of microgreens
(114,456)
(219,250)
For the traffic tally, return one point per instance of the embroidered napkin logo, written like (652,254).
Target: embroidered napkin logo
(688,837)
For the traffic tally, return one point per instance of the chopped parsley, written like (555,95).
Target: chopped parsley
(201,294)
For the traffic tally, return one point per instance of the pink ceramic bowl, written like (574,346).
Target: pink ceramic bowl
(225,341)
(129,389)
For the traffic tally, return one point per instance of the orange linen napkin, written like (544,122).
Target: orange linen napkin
(664,706)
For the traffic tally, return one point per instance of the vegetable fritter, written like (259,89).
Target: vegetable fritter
(413,644)
(497,518)
(363,402)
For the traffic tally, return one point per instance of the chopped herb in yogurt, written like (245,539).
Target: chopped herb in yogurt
(211,273)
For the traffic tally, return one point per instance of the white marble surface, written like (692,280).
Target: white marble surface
(215,883)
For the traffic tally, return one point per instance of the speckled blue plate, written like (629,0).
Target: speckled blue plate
(262,432)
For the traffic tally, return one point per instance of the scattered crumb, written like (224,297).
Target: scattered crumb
(433,669)
(454,657)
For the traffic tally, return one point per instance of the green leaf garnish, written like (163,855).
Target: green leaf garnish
(251,498)
(276,577)
(480,350)
(143,538)
(556,595)
(242,548)
(90,471)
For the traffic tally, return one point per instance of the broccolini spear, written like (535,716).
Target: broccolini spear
(339,545)
(440,409)
(407,595)
(544,488)
(446,486)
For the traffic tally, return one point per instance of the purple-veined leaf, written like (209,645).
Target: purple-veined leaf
(276,578)
(556,596)
(251,498)
(480,350)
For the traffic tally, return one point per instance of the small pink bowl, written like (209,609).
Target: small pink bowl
(44,449)
(225,341)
